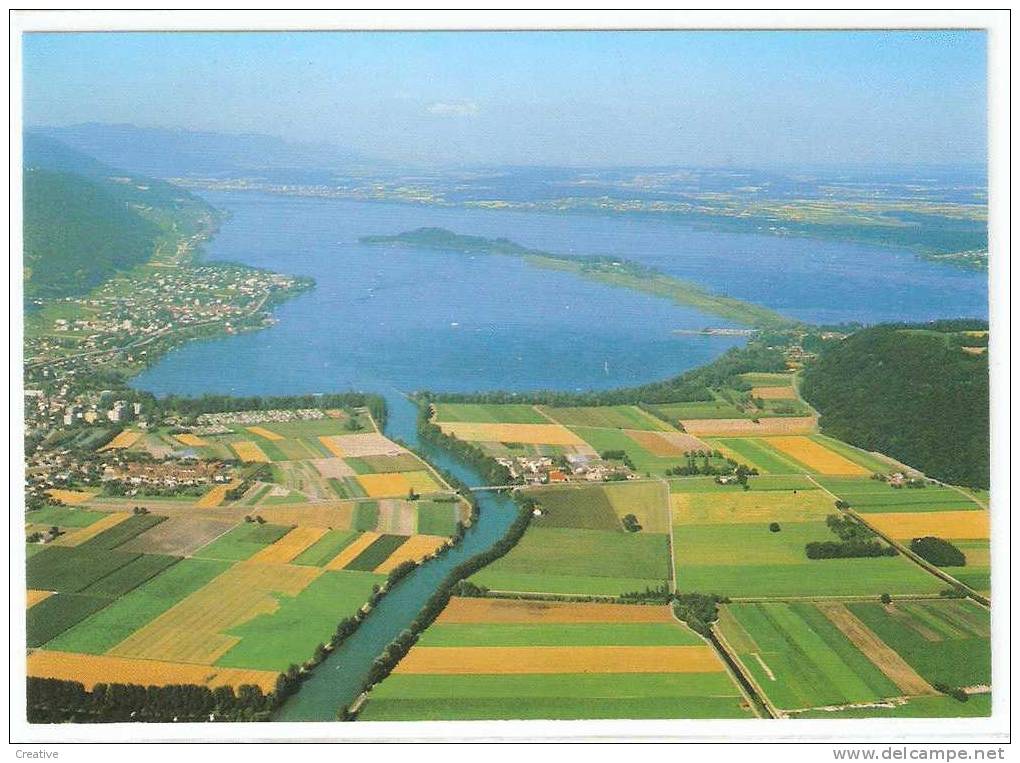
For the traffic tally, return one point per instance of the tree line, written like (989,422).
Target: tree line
(691,386)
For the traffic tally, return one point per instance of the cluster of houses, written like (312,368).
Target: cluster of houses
(169,474)
(155,307)
(273,415)
(575,467)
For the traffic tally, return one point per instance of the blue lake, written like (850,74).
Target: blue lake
(385,318)
(392,319)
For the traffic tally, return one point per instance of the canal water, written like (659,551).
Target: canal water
(337,680)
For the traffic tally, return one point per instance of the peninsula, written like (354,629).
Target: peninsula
(610,270)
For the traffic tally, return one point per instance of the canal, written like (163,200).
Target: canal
(337,681)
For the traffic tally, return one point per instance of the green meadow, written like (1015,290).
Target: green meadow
(799,658)
(243,542)
(493,414)
(944,641)
(610,417)
(543,634)
(565,560)
(290,635)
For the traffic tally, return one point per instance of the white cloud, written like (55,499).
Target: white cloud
(454,108)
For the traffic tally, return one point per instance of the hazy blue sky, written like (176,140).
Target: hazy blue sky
(696,98)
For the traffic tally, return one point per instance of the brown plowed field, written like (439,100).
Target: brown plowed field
(884,657)
(777,425)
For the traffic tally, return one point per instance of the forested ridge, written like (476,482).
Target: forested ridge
(911,393)
(84,221)
(77,234)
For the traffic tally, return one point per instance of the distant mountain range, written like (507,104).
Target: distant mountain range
(162,152)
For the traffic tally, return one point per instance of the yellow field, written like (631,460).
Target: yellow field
(536,434)
(77,537)
(194,630)
(777,425)
(423,482)
(465,610)
(72,497)
(215,496)
(774,393)
(248,451)
(92,669)
(331,445)
(261,432)
(560,659)
(961,525)
(752,506)
(192,441)
(816,457)
(289,546)
(358,445)
(34,597)
(397,484)
(123,440)
(350,553)
(414,549)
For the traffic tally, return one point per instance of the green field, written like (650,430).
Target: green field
(615,439)
(648,501)
(977,706)
(561,560)
(868,495)
(243,542)
(755,452)
(821,577)
(763,379)
(366,516)
(812,663)
(120,533)
(132,611)
(584,507)
(494,414)
(70,570)
(746,560)
(944,641)
(325,548)
(554,697)
(437,517)
(131,575)
(610,416)
(377,553)
(410,696)
(710,409)
(290,634)
(542,634)
(53,615)
(978,572)
(405,462)
(63,516)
